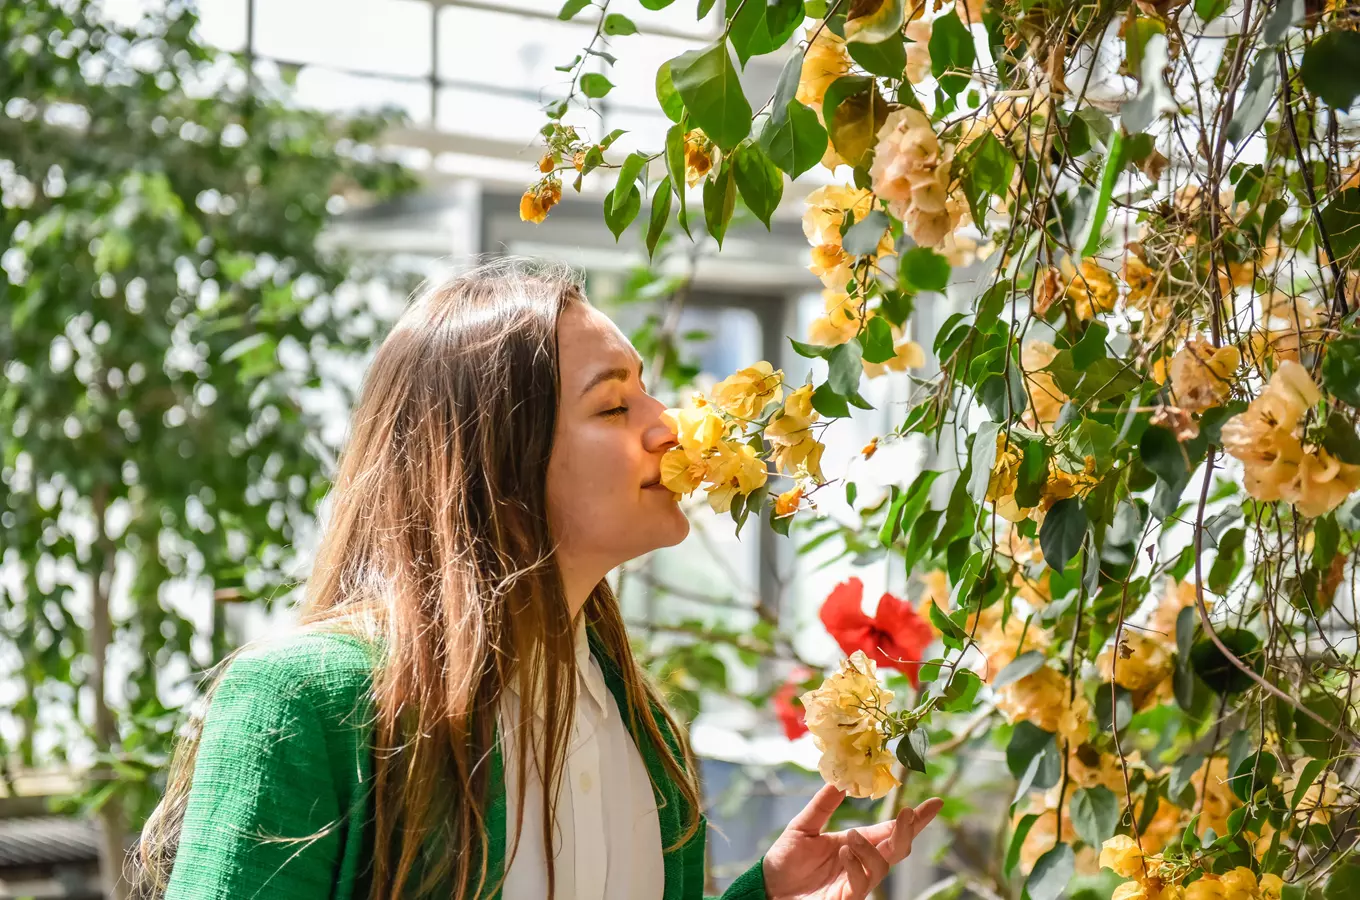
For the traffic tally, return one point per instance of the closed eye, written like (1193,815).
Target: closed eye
(616,411)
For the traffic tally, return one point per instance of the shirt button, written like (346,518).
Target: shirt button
(585,781)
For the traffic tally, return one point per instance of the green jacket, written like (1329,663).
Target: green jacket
(286,754)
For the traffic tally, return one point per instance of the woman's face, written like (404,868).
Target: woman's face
(605,501)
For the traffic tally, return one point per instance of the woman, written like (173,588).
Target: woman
(461,694)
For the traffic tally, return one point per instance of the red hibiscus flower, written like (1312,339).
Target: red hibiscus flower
(895,637)
(791,713)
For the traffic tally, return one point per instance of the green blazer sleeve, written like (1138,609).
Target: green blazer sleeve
(273,782)
(749,885)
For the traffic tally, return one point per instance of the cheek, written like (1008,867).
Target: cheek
(590,472)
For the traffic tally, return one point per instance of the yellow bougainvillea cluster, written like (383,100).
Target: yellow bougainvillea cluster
(827,209)
(714,447)
(1281,462)
(846,715)
(1154,878)
(1059,484)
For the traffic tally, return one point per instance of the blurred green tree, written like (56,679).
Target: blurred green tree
(166,300)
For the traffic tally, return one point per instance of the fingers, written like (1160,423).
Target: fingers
(859,880)
(869,857)
(817,813)
(904,829)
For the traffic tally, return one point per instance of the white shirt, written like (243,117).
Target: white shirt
(607,843)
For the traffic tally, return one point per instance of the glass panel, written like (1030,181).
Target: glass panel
(639,56)
(489,115)
(222,23)
(391,37)
(327,89)
(476,46)
(646,131)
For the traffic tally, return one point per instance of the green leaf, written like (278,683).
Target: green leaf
(1052,871)
(1286,15)
(1257,97)
(844,368)
(707,82)
(761,184)
(1164,456)
(1027,741)
(786,89)
(811,351)
(571,8)
(1331,68)
(912,749)
(666,94)
(759,27)
(1026,663)
(854,111)
(863,237)
(991,165)
(1033,475)
(1095,814)
(1153,94)
(1216,670)
(628,173)
(961,693)
(885,58)
(675,167)
(1343,883)
(1310,772)
(595,85)
(984,458)
(871,26)
(878,340)
(1095,226)
(655,5)
(829,403)
(952,52)
(1341,218)
(1208,10)
(1091,348)
(1018,841)
(947,627)
(720,199)
(618,215)
(797,142)
(661,212)
(1062,533)
(616,24)
(924,270)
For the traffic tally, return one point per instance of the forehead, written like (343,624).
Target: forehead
(588,341)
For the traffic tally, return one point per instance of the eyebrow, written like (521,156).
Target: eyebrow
(618,373)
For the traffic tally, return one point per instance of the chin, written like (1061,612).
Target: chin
(670,530)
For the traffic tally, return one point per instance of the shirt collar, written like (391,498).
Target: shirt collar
(589,680)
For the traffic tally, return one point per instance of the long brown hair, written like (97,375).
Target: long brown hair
(437,548)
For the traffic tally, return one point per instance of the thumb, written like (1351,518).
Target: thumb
(817,813)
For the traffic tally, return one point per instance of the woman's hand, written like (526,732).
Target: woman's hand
(805,864)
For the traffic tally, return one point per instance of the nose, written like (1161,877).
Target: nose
(658,437)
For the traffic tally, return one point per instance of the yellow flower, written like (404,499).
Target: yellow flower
(734,469)
(1315,804)
(826,60)
(1271,887)
(1044,698)
(1144,287)
(546,164)
(786,504)
(746,393)
(1046,398)
(1278,465)
(537,200)
(1142,664)
(1239,882)
(1207,888)
(698,156)
(844,715)
(1202,375)
(1216,797)
(907,354)
(1091,289)
(826,210)
(911,172)
(1000,645)
(918,51)
(1178,595)
(698,431)
(1121,853)
(790,433)
(840,323)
